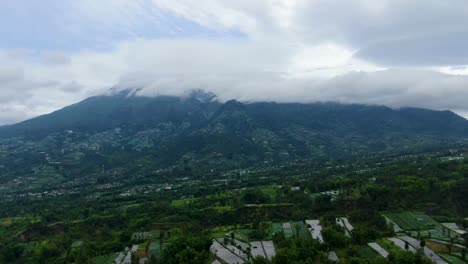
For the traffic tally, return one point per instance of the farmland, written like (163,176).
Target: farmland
(414,221)
(281,214)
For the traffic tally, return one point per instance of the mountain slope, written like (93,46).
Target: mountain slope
(100,113)
(200,133)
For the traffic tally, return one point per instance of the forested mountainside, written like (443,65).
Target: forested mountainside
(199,133)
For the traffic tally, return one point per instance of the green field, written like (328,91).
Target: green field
(412,221)
(300,230)
(106,259)
(182,202)
(270,191)
(288,232)
(154,249)
(221,231)
(276,228)
(242,234)
(367,252)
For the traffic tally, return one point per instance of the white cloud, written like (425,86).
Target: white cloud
(293,50)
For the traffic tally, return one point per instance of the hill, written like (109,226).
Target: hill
(199,133)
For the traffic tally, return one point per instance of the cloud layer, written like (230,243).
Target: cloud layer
(396,53)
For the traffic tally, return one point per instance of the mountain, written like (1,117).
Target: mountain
(200,133)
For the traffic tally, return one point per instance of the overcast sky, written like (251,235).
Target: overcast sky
(393,52)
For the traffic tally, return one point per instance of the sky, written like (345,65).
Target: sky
(398,53)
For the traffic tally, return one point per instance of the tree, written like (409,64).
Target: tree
(187,248)
(422,243)
(450,244)
(260,260)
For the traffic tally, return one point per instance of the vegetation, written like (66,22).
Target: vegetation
(162,192)
(176,224)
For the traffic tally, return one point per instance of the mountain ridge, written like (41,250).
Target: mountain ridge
(201,132)
(115,107)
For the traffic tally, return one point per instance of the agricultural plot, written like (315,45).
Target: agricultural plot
(269,248)
(241,244)
(128,257)
(401,244)
(120,258)
(345,224)
(428,252)
(333,257)
(434,243)
(315,229)
(366,252)
(378,249)
(276,228)
(287,230)
(270,191)
(106,259)
(140,236)
(154,249)
(257,249)
(454,227)
(242,234)
(300,230)
(224,254)
(233,249)
(182,202)
(396,228)
(412,221)
(452,259)
(221,231)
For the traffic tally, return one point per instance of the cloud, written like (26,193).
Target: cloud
(392,52)
(73,26)
(384,32)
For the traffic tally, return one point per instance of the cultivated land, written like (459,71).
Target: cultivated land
(278,214)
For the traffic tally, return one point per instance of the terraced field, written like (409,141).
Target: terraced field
(412,221)
(276,228)
(154,249)
(452,259)
(106,259)
(300,230)
(287,230)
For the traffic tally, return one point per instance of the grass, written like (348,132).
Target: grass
(267,228)
(269,205)
(221,209)
(6,222)
(182,202)
(105,259)
(276,228)
(389,246)
(242,234)
(220,231)
(366,252)
(270,191)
